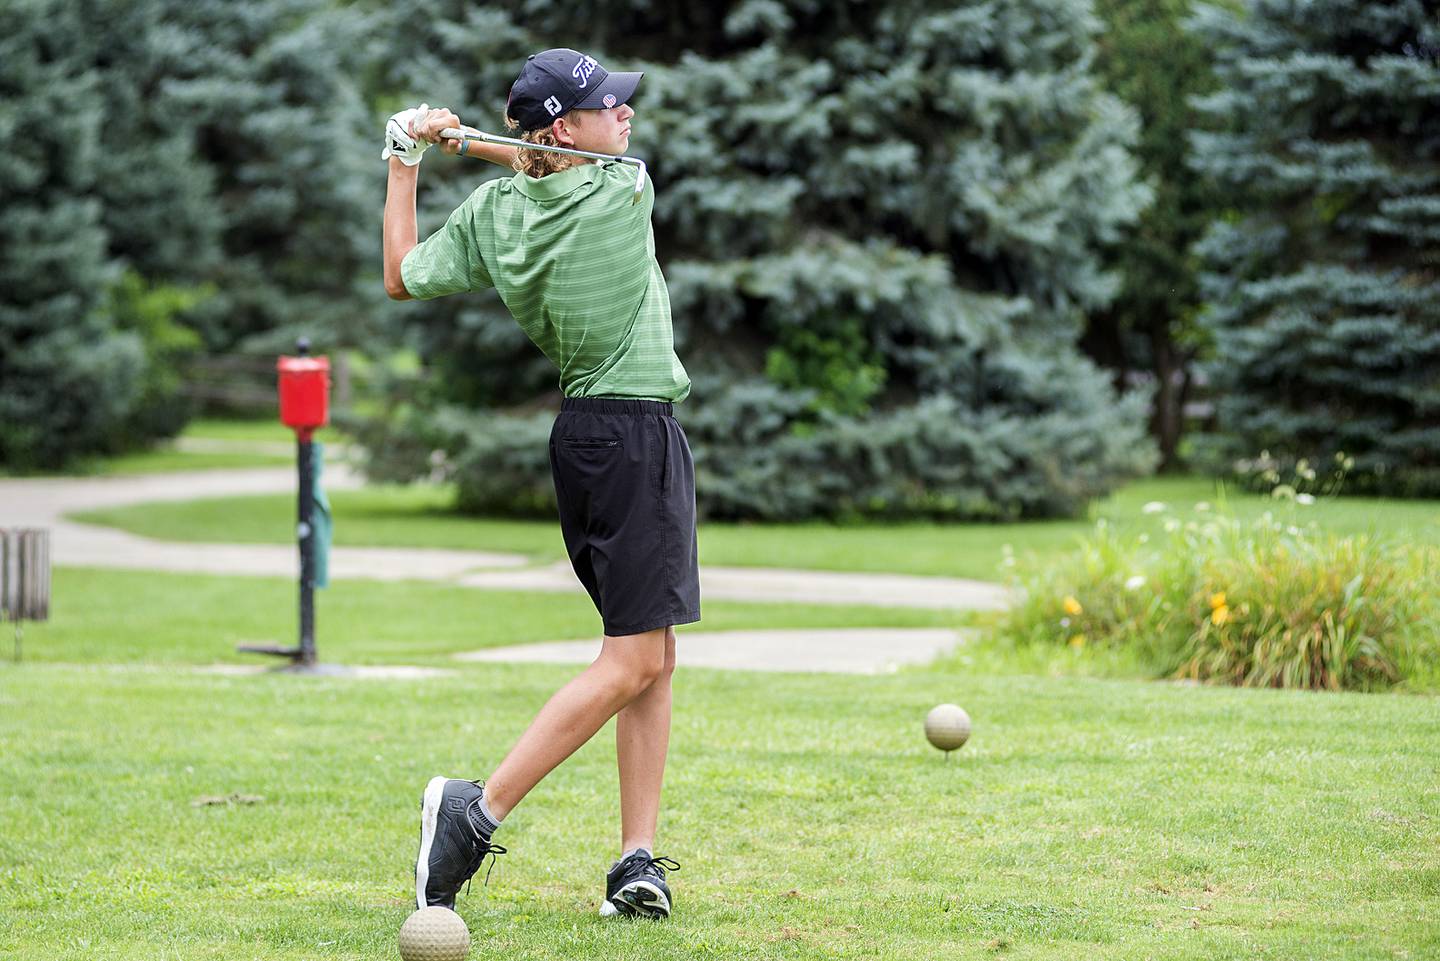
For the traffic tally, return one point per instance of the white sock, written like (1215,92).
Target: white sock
(486,824)
(633,851)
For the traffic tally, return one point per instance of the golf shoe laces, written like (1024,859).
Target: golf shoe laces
(658,866)
(485,849)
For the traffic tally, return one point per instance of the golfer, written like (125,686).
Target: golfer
(573,258)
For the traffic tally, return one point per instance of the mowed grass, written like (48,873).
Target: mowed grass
(246,430)
(204,444)
(1086,819)
(420,516)
(168,458)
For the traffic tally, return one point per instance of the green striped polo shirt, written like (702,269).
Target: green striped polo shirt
(574,260)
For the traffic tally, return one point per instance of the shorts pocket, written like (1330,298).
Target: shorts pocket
(590,443)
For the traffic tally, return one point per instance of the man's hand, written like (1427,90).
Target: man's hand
(428,123)
(410,132)
(400,140)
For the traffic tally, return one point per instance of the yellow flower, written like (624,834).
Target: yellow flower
(1078,641)
(1217,600)
(1220,615)
(1072,607)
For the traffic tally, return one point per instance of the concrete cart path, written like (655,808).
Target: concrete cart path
(832,650)
(43,502)
(774,584)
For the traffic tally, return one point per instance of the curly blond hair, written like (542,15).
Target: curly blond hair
(539,163)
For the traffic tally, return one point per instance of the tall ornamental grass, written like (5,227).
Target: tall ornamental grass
(1255,603)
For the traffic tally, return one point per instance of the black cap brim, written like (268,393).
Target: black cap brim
(619,85)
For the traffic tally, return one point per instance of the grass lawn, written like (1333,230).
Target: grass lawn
(222,444)
(1087,818)
(419,516)
(166,459)
(269,430)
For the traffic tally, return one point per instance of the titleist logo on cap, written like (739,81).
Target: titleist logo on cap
(583,69)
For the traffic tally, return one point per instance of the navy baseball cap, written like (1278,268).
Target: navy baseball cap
(554,82)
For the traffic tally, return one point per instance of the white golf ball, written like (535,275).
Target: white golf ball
(947,727)
(434,934)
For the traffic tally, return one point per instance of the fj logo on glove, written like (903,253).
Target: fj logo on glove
(583,70)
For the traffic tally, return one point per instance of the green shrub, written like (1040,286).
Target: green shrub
(149,310)
(1261,603)
(500,464)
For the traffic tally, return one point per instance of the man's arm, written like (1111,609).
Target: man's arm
(496,153)
(429,127)
(400,235)
(400,230)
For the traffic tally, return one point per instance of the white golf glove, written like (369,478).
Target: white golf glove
(398,140)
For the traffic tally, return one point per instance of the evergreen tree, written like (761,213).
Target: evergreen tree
(269,96)
(157,199)
(68,377)
(1323,283)
(197,180)
(881,227)
(1150,62)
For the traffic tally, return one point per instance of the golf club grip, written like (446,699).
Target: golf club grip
(461,133)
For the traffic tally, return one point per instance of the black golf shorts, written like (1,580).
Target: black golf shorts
(625,483)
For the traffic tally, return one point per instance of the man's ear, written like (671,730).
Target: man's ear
(560,127)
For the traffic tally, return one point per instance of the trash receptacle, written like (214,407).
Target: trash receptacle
(24,577)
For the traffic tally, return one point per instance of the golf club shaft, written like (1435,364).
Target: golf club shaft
(470,133)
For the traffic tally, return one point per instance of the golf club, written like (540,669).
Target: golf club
(469,133)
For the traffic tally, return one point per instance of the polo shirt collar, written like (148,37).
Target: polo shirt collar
(557,185)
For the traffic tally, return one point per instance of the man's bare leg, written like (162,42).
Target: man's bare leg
(642,738)
(626,667)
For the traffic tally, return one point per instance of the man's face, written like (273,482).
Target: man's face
(599,131)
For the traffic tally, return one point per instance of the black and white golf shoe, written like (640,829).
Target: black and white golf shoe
(451,847)
(635,887)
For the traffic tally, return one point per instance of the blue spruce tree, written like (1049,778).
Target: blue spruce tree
(177,173)
(68,376)
(1324,276)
